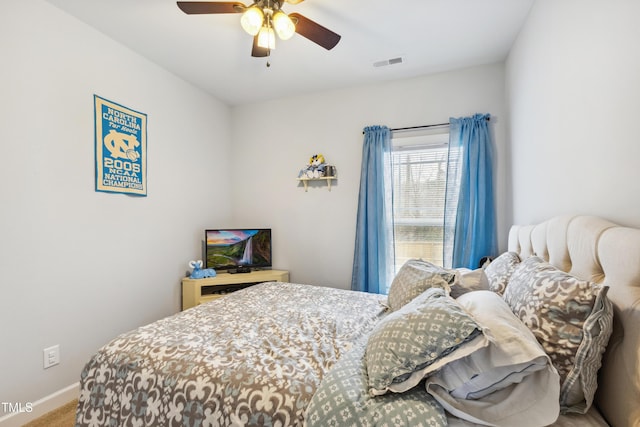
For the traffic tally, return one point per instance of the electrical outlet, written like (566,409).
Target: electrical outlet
(51,356)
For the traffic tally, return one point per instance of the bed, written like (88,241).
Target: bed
(599,250)
(286,354)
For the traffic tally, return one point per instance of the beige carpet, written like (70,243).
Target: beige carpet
(64,416)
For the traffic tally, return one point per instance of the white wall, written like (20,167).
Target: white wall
(314,232)
(78,267)
(574,95)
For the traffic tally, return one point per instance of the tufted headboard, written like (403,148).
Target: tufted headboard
(594,249)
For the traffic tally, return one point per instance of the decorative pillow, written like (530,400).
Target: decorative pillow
(410,343)
(500,270)
(571,318)
(414,277)
(469,280)
(342,399)
(510,382)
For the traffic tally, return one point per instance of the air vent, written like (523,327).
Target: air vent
(392,61)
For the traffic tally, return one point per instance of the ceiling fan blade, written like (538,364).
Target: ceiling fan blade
(200,7)
(257,51)
(315,32)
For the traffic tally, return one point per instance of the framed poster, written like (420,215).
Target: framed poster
(121,148)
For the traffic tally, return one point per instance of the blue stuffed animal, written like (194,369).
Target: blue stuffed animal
(199,272)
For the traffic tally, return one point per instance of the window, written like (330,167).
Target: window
(419,184)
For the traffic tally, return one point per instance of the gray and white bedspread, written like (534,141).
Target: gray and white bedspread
(254,357)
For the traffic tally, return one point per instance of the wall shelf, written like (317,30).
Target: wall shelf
(328,179)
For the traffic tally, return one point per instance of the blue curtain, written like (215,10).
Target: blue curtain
(470,219)
(373,256)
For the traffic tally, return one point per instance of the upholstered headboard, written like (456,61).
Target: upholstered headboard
(598,250)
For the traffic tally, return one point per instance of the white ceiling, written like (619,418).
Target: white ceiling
(213,52)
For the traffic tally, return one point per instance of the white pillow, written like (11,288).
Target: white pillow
(469,280)
(510,382)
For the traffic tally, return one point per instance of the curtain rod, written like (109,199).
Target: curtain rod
(419,127)
(422,127)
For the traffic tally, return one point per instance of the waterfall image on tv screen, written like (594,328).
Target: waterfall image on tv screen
(232,248)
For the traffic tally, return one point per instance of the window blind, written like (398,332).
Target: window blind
(419,185)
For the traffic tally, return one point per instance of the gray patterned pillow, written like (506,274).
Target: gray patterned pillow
(571,318)
(342,399)
(415,277)
(499,271)
(407,343)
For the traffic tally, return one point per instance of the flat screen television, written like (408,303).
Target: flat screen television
(238,249)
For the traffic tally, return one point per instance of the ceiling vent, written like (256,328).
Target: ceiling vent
(392,61)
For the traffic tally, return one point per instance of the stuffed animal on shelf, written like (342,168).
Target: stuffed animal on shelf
(199,272)
(315,168)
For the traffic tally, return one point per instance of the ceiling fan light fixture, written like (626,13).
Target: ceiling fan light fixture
(252,20)
(267,38)
(283,25)
(263,19)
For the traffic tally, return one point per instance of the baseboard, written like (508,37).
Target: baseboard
(42,406)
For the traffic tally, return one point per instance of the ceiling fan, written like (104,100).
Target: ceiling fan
(263,19)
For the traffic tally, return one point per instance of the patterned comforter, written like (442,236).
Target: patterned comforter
(252,358)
